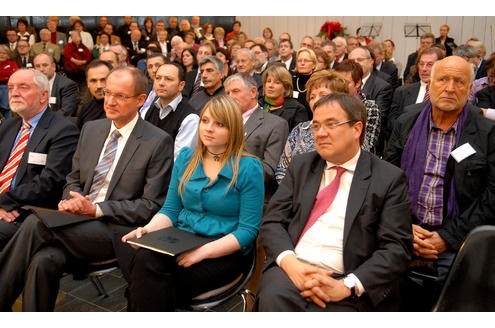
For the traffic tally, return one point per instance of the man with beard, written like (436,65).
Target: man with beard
(96,76)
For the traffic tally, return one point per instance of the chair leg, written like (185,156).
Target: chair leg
(245,294)
(95,279)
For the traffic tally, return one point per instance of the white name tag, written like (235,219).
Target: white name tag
(462,152)
(52,100)
(295,94)
(29,65)
(37,158)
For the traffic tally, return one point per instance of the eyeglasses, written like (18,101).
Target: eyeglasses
(331,126)
(118,96)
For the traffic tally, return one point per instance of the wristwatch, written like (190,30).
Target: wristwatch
(350,283)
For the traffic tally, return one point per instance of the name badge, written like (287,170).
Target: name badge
(295,94)
(29,65)
(80,49)
(37,158)
(462,152)
(52,100)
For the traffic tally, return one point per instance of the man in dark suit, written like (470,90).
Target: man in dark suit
(211,69)
(194,77)
(485,98)
(374,88)
(40,174)
(426,40)
(446,148)
(24,58)
(136,47)
(414,92)
(119,178)
(378,54)
(287,55)
(64,93)
(266,133)
(345,255)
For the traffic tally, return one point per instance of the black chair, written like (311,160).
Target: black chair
(203,302)
(94,271)
(212,298)
(470,284)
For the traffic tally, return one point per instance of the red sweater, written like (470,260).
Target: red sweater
(7,68)
(81,52)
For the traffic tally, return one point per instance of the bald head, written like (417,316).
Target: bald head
(451,80)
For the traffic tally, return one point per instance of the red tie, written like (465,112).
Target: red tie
(15,158)
(427,93)
(323,200)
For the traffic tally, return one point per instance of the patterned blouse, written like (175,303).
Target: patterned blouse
(302,140)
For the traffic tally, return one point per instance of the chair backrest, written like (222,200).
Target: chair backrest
(470,284)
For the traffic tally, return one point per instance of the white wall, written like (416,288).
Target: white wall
(461,28)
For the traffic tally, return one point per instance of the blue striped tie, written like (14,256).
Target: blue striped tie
(104,165)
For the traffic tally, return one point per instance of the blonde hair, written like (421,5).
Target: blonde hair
(311,54)
(223,109)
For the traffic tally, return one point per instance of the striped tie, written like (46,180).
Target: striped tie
(104,165)
(196,86)
(427,93)
(14,160)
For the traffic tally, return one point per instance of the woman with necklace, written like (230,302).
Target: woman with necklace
(305,66)
(277,95)
(216,190)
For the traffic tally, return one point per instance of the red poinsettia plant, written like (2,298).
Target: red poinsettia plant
(330,30)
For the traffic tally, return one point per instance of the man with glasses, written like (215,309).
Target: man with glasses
(425,41)
(416,92)
(119,178)
(342,255)
(374,88)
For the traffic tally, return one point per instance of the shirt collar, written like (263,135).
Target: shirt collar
(126,130)
(350,165)
(247,114)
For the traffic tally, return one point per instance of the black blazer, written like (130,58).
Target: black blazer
(190,79)
(485,98)
(473,176)
(390,69)
(481,72)
(403,96)
(377,241)
(381,92)
(65,96)
(39,185)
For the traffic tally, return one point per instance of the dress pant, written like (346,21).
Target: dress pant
(36,257)
(159,284)
(277,293)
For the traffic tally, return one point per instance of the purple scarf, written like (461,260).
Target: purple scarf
(414,159)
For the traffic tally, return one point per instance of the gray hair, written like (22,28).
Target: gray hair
(40,80)
(214,60)
(465,50)
(244,78)
(250,53)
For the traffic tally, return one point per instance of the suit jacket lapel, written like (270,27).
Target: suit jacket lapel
(34,140)
(125,158)
(357,193)
(7,143)
(253,122)
(89,157)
